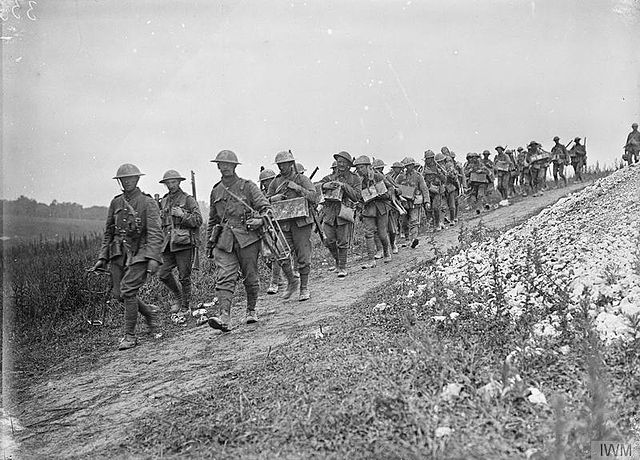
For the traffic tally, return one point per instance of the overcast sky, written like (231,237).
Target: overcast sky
(89,85)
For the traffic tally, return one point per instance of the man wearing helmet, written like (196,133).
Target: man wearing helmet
(578,155)
(453,184)
(524,175)
(478,176)
(233,238)
(560,158)
(632,146)
(287,185)
(181,220)
(502,169)
(396,221)
(435,178)
(413,184)
(338,217)
(375,211)
(132,245)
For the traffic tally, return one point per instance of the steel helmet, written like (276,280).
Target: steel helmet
(556,138)
(362,160)
(378,163)
(509,152)
(429,154)
(473,155)
(486,152)
(445,150)
(171,174)
(520,149)
(284,157)
(266,174)
(397,164)
(635,125)
(300,168)
(127,170)
(499,147)
(406,161)
(577,139)
(440,157)
(344,155)
(226,156)
(452,155)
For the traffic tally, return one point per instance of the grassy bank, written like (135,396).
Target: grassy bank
(408,373)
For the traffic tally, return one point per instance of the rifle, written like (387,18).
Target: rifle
(196,249)
(314,214)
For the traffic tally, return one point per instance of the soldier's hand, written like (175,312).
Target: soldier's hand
(152,266)
(293,186)
(100,265)
(254,224)
(177,212)
(277,197)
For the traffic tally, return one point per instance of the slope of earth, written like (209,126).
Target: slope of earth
(99,412)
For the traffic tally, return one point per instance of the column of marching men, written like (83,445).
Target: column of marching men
(276,218)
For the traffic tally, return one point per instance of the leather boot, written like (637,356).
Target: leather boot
(252,316)
(150,313)
(293,283)
(130,319)
(222,316)
(304,289)
(172,284)
(342,262)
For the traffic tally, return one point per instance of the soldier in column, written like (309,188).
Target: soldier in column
(524,177)
(485,160)
(375,211)
(414,180)
(181,221)
(394,213)
(560,158)
(287,185)
(435,179)
(131,246)
(478,176)
(502,169)
(578,155)
(536,168)
(378,166)
(453,185)
(266,177)
(233,239)
(339,216)
(632,146)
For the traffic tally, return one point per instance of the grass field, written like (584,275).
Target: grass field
(20,229)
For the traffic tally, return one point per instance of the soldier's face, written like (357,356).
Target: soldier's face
(285,168)
(409,168)
(342,164)
(226,169)
(172,184)
(129,183)
(362,170)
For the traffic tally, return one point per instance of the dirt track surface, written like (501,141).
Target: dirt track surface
(75,415)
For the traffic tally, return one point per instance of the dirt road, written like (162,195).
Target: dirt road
(77,415)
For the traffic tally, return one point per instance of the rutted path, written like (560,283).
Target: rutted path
(74,415)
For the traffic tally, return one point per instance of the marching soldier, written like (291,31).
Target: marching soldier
(478,177)
(345,189)
(266,177)
(416,187)
(394,214)
(536,167)
(455,179)
(233,240)
(434,179)
(375,211)
(378,166)
(560,158)
(524,176)
(181,220)
(287,185)
(486,161)
(502,169)
(632,146)
(131,245)
(513,175)
(578,155)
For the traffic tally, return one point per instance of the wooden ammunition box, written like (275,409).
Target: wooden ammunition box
(290,209)
(478,177)
(332,195)
(373,191)
(407,191)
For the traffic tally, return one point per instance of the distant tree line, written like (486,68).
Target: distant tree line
(24,206)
